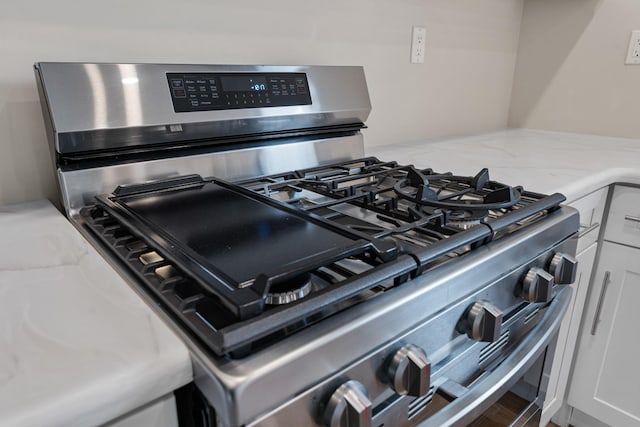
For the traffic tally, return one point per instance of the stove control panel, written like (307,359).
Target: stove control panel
(227,91)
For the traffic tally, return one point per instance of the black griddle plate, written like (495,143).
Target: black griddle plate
(234,242)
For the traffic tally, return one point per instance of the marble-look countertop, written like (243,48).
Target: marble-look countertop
(78,347)
(540,161)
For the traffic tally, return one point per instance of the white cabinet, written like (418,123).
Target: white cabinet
(606,379)
(591,208)
(623,220)
(605,383)
(567,336)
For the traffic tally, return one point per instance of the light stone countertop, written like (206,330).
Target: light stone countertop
(540,161)
(78,347)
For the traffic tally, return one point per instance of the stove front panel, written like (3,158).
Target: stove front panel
(458,364)
(356,345)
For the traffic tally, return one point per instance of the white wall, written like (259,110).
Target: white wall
(570,74)
(464,86)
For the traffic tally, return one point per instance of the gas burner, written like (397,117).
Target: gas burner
(290,290)
(464,220)
(463,193)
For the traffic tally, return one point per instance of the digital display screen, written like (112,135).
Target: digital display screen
(243,83)
(227,91)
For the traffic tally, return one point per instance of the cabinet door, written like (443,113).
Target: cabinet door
(623,219)
(567,336)
(606,379)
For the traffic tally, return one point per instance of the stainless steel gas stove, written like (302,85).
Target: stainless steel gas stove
(314,286)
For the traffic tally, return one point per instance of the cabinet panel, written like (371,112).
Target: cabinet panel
(567,336)
(591,208)
(605,380)
(623,221)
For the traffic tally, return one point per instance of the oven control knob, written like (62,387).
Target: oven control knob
(563,267)
(537,285)
(348,406)
(482,321)
(409,371)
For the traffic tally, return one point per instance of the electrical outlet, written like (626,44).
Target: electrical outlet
(633,54)
(418,40)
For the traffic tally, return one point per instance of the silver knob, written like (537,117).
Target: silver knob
(482,321)
(348,406)
(537,285)
(563,267)
(409,371)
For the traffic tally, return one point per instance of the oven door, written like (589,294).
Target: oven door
(519,378)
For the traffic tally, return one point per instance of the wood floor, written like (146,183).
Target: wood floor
(504,411)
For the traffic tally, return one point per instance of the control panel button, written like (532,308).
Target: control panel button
(563,267)
(348,406)
(537,285)
(409,371)
(482,321)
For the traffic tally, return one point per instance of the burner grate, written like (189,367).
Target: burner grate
(336,286)
(430,214)
(378,240)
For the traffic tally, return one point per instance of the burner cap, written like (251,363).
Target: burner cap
(289,290)
(466,219)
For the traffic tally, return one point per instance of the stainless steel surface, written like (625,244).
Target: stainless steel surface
(483,322)
(353,338)
(537,286)
(348,406)
(360,366)
(107,106)
(450,359)
(563,267)
(362,339)
(603,293)
(80,186)
(586,229)
(487,391)
(451,390)
(632,218)
(409,371)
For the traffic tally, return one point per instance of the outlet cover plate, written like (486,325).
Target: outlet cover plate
(418,41)
(633,54)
